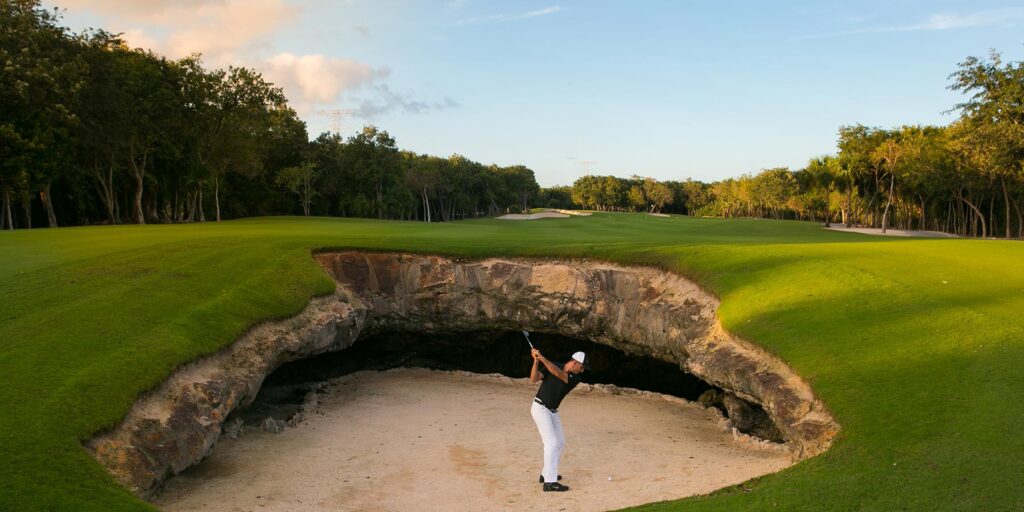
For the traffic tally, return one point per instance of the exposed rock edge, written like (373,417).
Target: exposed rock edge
(639,310)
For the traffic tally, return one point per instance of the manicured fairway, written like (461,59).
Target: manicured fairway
(916,345)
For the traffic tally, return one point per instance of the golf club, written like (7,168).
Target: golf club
(527,336)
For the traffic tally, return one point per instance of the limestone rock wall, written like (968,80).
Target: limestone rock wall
(638,310)
(177,424)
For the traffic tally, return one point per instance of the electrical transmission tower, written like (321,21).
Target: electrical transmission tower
(586,165)
(335,116)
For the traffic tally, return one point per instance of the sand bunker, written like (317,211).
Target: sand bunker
(893,232)
(532,216)
(414,439)
(545,214)
(652,214)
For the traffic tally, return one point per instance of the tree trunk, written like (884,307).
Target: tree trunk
(1006,200)
(44,196)
(923,224)
(199,205)
(1020,219)
(848,213)
(991,219)
(105,188)
(380,197)
(888,203)
(307,194)
(949,215)
(139,170)
(828,192)
(26,209)
(984,227)
(190,206)
(139,216)
(426,205)
(216,197)
(6,220)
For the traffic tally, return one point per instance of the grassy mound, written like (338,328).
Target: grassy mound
(916,345)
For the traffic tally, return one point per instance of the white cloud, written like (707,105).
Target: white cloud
(539,12)
(475,20)
(222,30)
(313,80)
(385,100)
(241,33)
(1000,18)
(1007,17)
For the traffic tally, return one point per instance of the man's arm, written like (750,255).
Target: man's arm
(535,375)
(553,368)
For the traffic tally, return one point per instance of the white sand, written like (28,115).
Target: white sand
(412,439)
(658,214)
(533,216)
(549,213)
(892,232)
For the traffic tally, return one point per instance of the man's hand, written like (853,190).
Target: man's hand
(536,355)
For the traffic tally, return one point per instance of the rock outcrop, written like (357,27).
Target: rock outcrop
(639,310)
(177,424)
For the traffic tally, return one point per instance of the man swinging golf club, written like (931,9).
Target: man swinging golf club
(556,382)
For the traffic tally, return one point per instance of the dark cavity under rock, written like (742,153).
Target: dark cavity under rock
(285,392)
(480,352)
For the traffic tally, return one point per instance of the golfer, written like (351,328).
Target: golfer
(557,382)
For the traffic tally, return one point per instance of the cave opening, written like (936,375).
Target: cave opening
(285,390)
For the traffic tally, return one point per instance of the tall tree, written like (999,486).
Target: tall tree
(823,171)
(231,112)
(300,180)
(42,74)
(151,106)
(994,111)
(372,157)
(102,131)
(658,194)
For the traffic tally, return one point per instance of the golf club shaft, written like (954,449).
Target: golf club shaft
(527,336)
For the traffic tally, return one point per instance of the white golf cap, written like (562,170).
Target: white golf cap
(580,357)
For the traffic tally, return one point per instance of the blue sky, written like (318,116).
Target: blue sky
(668,89)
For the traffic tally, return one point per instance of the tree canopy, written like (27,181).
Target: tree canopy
(93,131)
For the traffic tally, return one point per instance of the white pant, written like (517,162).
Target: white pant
(550,427)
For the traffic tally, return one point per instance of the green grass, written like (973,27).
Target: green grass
(915,345)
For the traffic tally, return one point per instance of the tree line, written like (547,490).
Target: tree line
(965,178)
(93,131)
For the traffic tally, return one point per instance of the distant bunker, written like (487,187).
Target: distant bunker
(647,329)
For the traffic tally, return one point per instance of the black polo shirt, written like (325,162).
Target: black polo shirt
(553,390)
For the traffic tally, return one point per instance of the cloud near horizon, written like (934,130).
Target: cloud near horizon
(386,101)
(240,33)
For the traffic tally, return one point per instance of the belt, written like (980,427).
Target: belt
(539,401)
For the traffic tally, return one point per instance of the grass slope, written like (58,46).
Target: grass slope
(917,346)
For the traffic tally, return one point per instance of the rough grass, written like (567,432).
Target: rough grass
(915,345)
